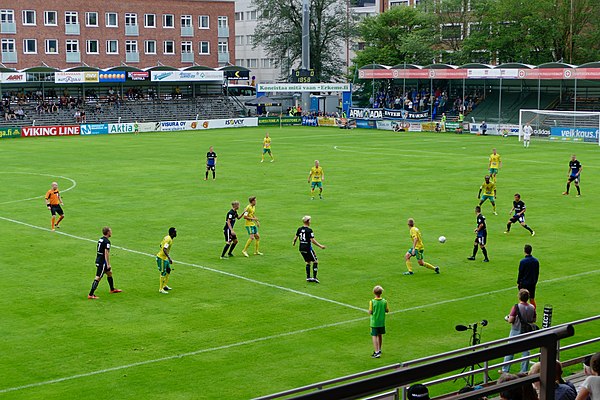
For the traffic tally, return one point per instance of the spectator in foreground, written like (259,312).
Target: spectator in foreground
(520,310)
(525,392)
(562,390)
(591,386)
(417,392)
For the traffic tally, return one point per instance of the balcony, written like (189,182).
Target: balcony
(72,29)
(187,31)
(9,57)
(132,30)
(74,57)
(187,57)
(132,57)
(223,32)
(223,58)
(8,27)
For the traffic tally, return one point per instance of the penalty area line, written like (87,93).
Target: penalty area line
(217,271)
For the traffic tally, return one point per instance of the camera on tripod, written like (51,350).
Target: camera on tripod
(473,326)
(474,340)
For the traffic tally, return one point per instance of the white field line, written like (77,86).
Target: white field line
(266,338)
(73,184)
(195,266)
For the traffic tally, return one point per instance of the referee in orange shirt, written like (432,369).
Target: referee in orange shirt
(54,203)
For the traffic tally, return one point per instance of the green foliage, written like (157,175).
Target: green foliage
(245,327)
(280,31)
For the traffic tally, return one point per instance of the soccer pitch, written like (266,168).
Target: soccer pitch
(245,327)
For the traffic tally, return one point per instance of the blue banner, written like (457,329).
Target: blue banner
(310,121)
(112,76)
(575,134)
(94,129)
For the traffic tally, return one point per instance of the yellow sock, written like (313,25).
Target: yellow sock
(427,265)
(256,246)
(494,207)
(162,283)
(409,266)
(247,244)
(167,279)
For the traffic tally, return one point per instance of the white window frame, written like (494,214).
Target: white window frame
(239,40)
(239,16)
(252,15)
(131,19)
(164,21)
(172,42)
(223,44)
(46,18)
(201,20)
(222,21)
(131,46)
(25,50)
(26,13)
(88,14)
(71,18)
(252,63)
(87,46)
(189,47)
(146,43)
(7,16)
(107,21)
(201,45)
(8,45)
(188,21)
(47,48)
(108,50)
(72,46)
(146,24)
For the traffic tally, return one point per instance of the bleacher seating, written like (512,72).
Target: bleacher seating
(141,110)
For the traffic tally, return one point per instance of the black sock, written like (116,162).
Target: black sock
(578,191)
(307,271)
(315,270)
(568,187)
(94,286)
(475,247)
(214,174)
(225,250)
(206,175)
(232,247)
(110,282)
(528,228)
(484,251)
(508,227)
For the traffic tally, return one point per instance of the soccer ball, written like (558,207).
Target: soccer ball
(442,239)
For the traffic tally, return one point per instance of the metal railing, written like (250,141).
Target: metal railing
(398,391)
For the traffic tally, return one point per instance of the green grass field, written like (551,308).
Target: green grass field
(240,328)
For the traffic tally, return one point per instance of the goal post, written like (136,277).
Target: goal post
(574,126)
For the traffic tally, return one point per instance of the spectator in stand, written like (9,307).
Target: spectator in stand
(527,312)
(77,116)
(83,117)
(525,392)
(20,113)
(591,386)
(562,390)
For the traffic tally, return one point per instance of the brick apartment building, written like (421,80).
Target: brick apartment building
(140,33)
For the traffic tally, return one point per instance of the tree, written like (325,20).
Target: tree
(402,34)
(279,30)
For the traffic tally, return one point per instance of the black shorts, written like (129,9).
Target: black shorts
(229,237)
(101,269)
(481,240)
(531,290)
(309,256)
(56,209)
(574,178)
(520,218)
(210,167)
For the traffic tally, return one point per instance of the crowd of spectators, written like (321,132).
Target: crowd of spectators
(420,100)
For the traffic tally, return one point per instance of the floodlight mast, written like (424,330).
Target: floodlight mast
(305,48)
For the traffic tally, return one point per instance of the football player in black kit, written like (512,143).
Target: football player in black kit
(306,236)
(211,163)
(230,236)
(481,232)
(574,175)
(103,264)
(518,214)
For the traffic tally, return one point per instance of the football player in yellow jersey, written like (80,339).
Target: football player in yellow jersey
(489,193)
(316,178)
(416,250)
(252,225)
(164,260)
(495,164)
(267,148)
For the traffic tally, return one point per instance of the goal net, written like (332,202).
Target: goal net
(574,126)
